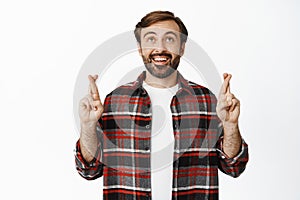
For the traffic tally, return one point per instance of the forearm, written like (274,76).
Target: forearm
(232,140)
(88,141)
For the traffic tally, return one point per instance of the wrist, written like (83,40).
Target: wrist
(231,129)
(230,125)
(87,126)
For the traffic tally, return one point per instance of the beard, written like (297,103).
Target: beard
(161,71)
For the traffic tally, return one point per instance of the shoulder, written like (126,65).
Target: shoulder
(204,95)
(200,89)
(127,89)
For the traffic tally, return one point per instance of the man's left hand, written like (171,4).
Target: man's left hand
(228,107)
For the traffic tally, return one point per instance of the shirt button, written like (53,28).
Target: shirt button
(147,126)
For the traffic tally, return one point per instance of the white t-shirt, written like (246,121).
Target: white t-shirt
(162,141)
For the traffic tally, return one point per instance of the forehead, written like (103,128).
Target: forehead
(162,27)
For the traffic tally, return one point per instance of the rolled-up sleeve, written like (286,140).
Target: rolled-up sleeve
(89,170)
(233,166)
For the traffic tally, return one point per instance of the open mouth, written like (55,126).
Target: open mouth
(161,59)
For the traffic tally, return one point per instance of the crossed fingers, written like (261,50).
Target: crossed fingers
(228,100)
(93,89)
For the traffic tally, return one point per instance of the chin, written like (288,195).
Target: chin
(162,73)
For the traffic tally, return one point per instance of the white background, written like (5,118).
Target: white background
(43,45)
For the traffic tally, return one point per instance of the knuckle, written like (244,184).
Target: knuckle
(83,100)
(98,103)
(230,95)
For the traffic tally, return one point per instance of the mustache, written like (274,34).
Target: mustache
(160,54)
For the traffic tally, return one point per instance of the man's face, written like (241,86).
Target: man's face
(161,48)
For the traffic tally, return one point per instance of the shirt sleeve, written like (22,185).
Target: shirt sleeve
(89,170)
(232,166)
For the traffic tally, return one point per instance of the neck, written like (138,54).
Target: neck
(167,82)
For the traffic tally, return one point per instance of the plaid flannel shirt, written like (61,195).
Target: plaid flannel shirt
(124,137)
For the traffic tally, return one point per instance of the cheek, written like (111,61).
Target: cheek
(146,47)
(146,52)
(175,54)
(174,49)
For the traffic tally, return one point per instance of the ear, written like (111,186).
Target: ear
(182,47)
(139,48)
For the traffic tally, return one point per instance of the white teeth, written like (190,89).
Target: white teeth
(160,59)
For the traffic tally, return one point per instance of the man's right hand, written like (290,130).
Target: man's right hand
(90,107)
(90,111)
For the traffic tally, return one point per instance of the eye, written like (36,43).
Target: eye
(151,39)
(170,39)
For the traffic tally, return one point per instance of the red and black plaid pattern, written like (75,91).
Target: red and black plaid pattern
(124,133)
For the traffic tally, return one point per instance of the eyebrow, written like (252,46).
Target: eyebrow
(151,32)
(172,33)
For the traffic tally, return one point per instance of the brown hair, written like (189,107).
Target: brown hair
(157,16)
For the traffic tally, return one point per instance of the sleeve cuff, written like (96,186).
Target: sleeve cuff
(225,157)
(80,161)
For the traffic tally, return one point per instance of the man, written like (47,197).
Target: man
(138,156)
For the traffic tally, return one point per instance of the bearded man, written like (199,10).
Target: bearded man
(161,136)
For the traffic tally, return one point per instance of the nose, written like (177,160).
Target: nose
(161,45)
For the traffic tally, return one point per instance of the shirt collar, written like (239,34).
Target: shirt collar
(183,84)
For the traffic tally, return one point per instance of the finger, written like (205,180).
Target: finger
(91,102)
(225,85)
(93,89)
(95,96)
(223,105)
(85,104)
(229,98)
(225,75)
(95,77)
(226,101)
(98,105)
(235,103)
